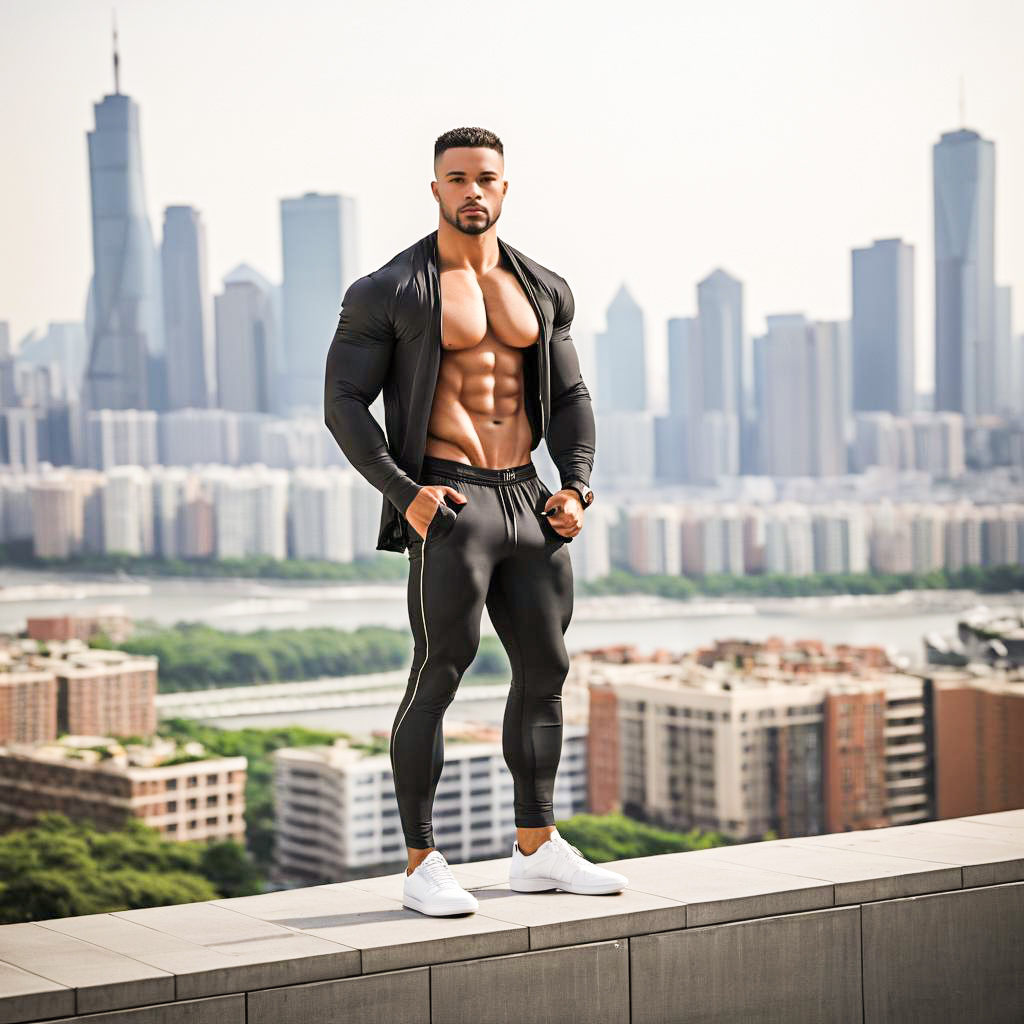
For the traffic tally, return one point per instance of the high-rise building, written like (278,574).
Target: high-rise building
(318,240)
(1009,392)
(685,375)
(124,303)
(187,305)
(678,433)
(800,423)
(56,517)
(720,312)
(127,503)
(621,358)
(320,514)
(979,740)
(883,327)
(121,437)
(246,344)
(964,183)
(830,346)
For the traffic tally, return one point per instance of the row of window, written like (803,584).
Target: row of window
(213,779)
(194,823)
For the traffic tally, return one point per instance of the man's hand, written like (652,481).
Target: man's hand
(422,508)
(569,521)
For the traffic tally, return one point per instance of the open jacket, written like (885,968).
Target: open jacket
(389,337)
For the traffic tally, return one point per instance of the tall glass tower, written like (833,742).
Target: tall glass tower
(318,239)
(124,306)
(965,364)
(621,357)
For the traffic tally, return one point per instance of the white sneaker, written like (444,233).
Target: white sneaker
(432,889)
(557,864)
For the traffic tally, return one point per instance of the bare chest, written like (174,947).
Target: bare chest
(485,311)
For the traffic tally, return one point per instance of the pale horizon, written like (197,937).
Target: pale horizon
(760,138)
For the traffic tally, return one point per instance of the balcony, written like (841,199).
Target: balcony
(919,922)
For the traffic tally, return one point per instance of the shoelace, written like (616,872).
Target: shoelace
(569,853)
(566,843)
(439,872)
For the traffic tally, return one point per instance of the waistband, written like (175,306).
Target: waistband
(480,474)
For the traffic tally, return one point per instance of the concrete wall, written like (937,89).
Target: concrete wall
(920,923)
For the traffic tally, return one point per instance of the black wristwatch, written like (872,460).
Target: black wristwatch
(583,490)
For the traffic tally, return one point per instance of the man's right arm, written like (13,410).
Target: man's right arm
(357,364)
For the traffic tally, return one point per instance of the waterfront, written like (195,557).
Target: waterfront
(898,621)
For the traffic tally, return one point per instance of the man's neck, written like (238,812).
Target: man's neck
(455,250)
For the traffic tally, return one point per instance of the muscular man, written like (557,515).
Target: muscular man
(469,340)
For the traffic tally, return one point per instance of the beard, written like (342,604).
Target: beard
(476,226)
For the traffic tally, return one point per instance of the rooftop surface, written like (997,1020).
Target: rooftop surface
(916,922)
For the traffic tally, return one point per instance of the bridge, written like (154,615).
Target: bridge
(915,923)
(369,690)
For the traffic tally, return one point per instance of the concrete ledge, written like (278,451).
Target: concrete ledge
(914,923)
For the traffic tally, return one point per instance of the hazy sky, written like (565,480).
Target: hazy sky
(645,142)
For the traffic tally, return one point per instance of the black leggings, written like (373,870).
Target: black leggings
(496,549)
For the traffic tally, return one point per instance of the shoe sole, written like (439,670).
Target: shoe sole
(546,884)
(412,903)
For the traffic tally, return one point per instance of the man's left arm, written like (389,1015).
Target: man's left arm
(571,435)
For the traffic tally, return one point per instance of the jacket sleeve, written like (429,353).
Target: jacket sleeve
(357,365)
(571,435)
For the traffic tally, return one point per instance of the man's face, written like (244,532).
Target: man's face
(469,187)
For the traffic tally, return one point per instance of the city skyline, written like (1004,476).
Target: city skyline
(812,277)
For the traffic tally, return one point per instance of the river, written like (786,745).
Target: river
(897,621)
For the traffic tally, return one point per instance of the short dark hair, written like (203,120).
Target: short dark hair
(467,137)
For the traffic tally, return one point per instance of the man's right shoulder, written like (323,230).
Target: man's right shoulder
(392,279)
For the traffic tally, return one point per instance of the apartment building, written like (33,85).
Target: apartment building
(97,779)
(745,737)
(337,815)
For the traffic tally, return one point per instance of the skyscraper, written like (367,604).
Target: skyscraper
(1009,388)
(318,239)
(246,343)
(188,326)
(125,336)
(621,357)
(720,311)
(964,183)
(800,422)
(883,327)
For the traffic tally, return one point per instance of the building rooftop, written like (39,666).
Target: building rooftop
(915,922)
(109,754)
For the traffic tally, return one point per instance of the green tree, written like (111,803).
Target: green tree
(615,837)
(59,867)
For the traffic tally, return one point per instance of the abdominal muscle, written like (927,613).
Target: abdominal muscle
(478,415)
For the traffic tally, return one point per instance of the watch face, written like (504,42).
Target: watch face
(588,496)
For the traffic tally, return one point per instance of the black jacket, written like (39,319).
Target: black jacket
(389,336)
